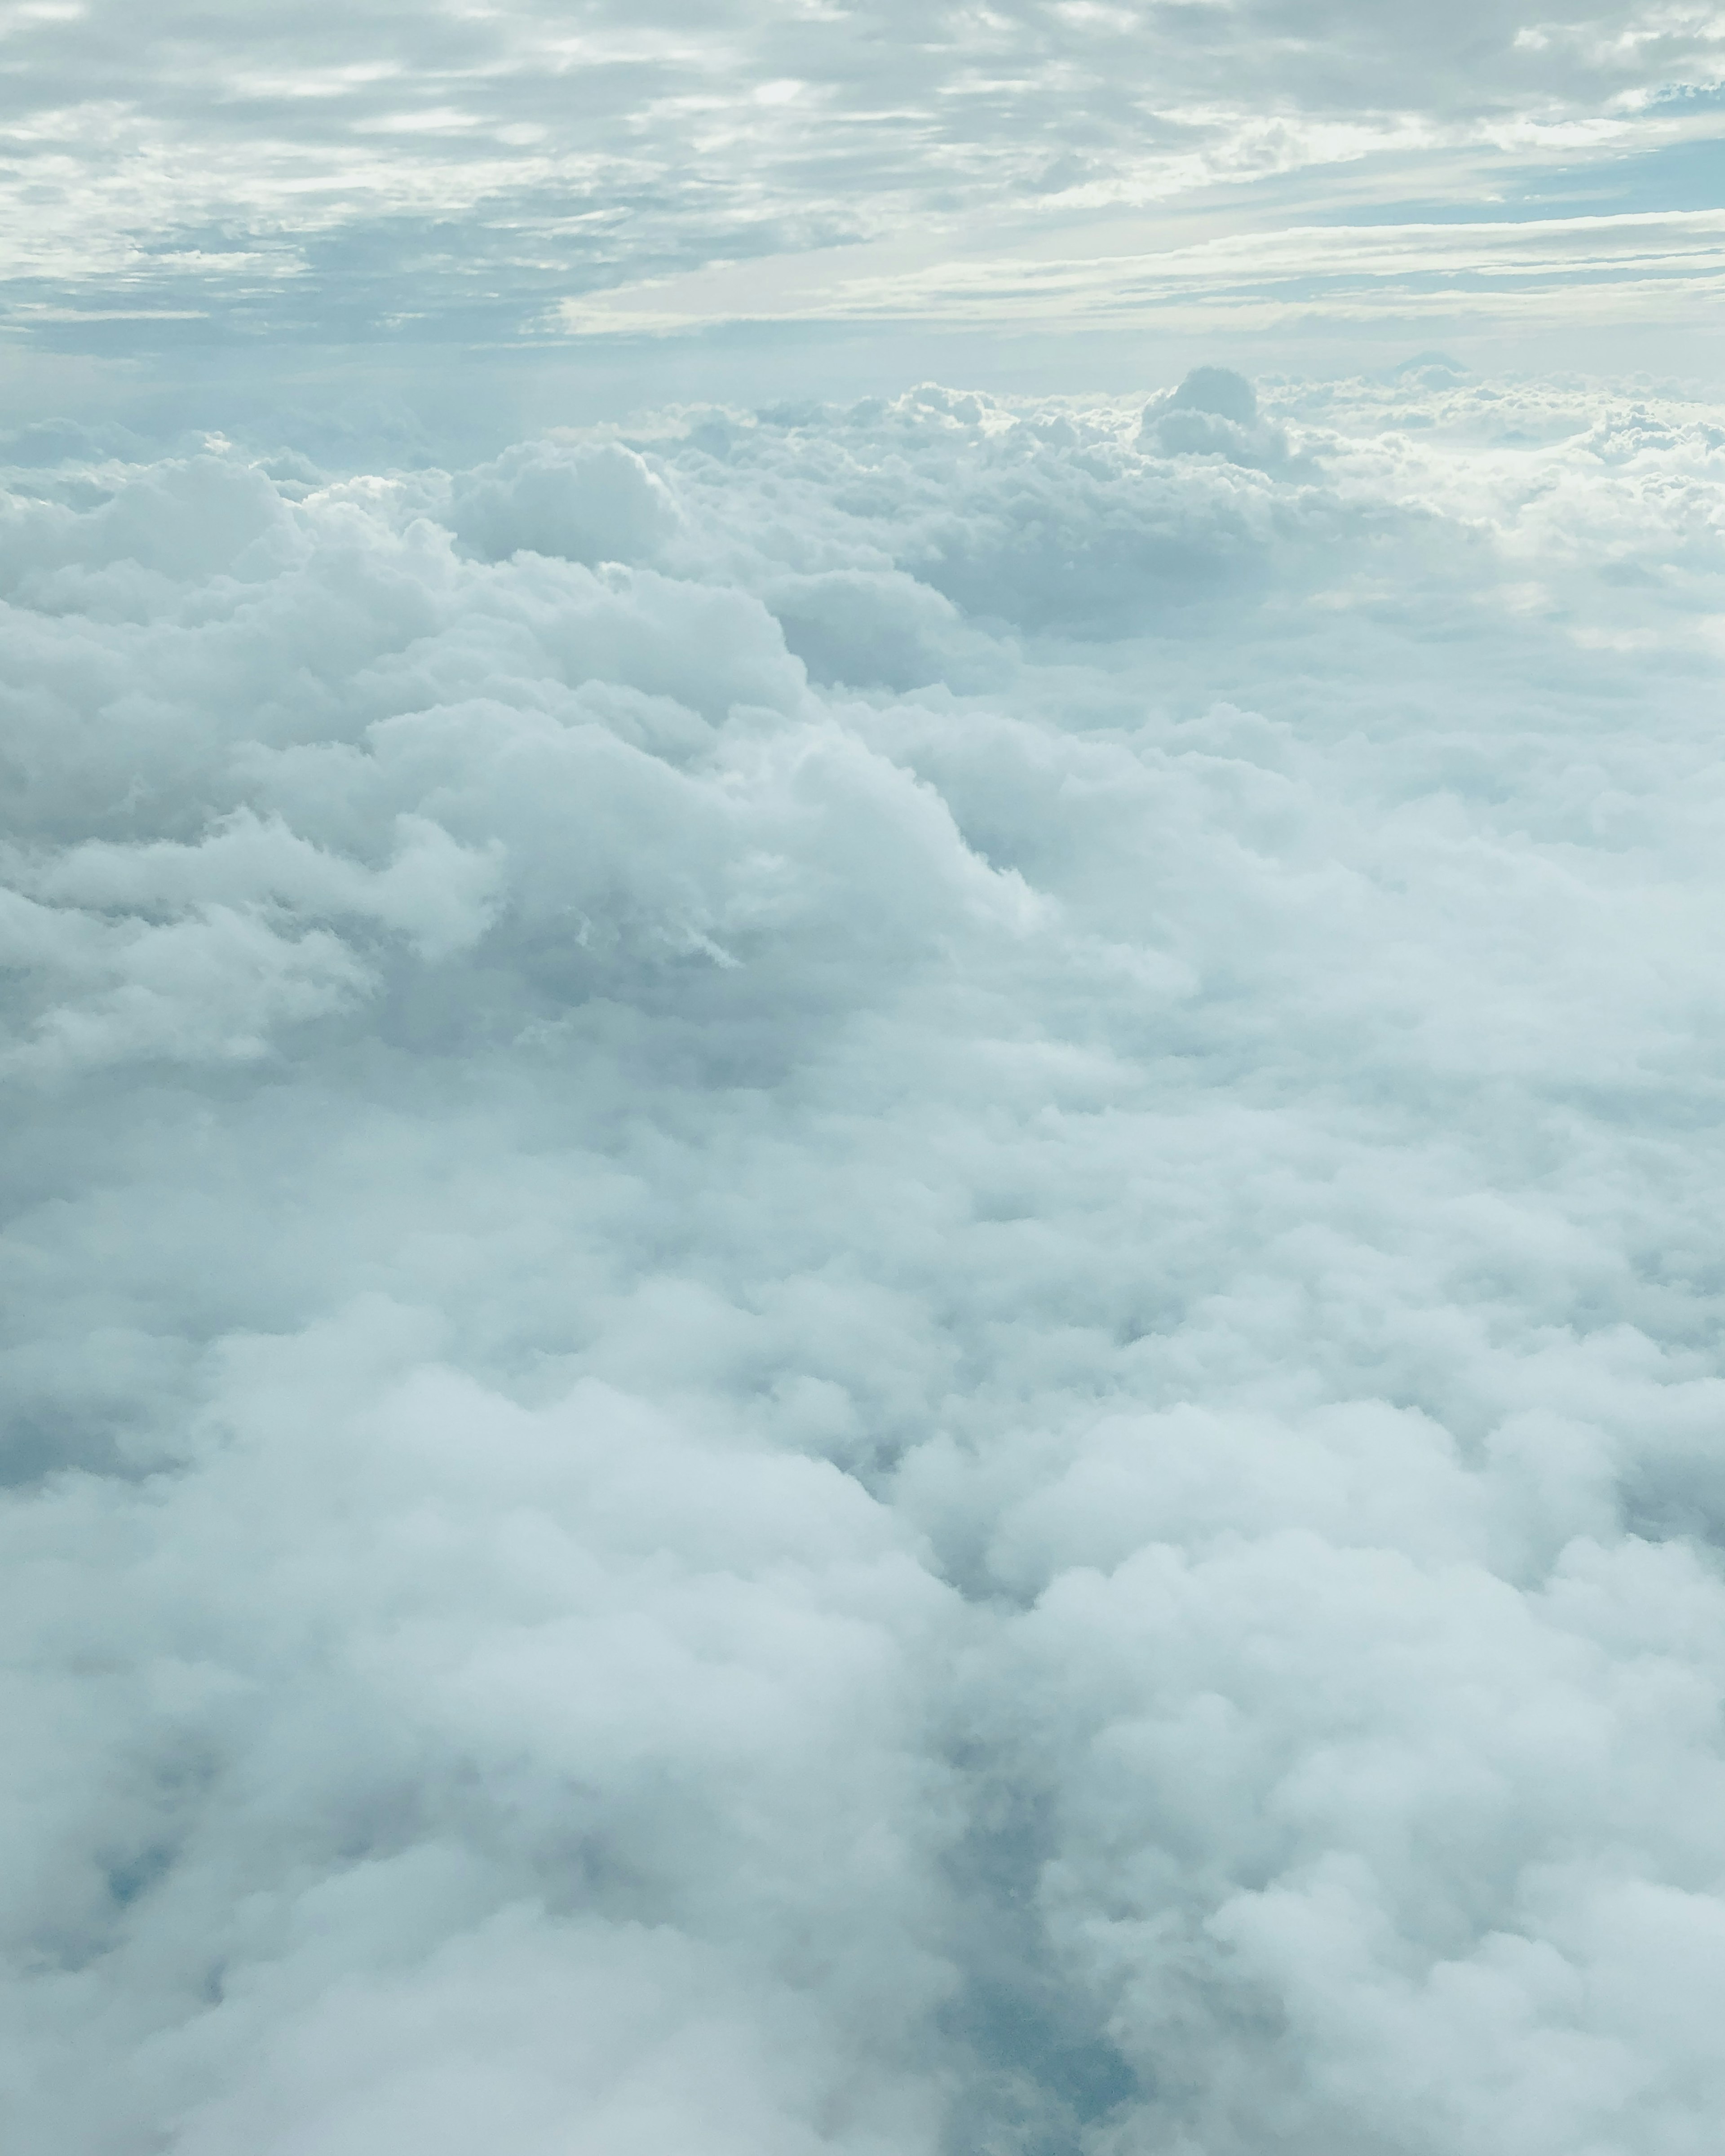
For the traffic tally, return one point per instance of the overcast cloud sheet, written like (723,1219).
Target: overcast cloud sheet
(868,1293)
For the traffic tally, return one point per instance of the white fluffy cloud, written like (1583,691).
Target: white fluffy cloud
(866,1297)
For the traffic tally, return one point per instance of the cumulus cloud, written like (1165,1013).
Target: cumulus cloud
(600,503)
(1214,412)
(865,1295)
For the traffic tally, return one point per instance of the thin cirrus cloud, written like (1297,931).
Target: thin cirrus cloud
(399,174)
(1629,270)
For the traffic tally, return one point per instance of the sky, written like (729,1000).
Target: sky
(469,222)
(859,883)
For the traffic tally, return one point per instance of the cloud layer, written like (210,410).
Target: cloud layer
(395,173)
(867,1298)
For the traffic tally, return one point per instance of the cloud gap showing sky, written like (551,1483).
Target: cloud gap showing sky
(861,1287)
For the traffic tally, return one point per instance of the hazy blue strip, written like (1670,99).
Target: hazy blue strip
(1683,176)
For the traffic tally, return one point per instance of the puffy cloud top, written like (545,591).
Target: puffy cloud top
(866,1297)
(1214,412)
(596,504)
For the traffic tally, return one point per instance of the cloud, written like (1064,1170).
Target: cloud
(864,1297)
(399,175)
(597,504)
(1215,412)
(1249,269)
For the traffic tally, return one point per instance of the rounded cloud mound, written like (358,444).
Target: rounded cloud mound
(1214,412)
(588,504)
(864,1296)
(867,627)
(1218,390)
